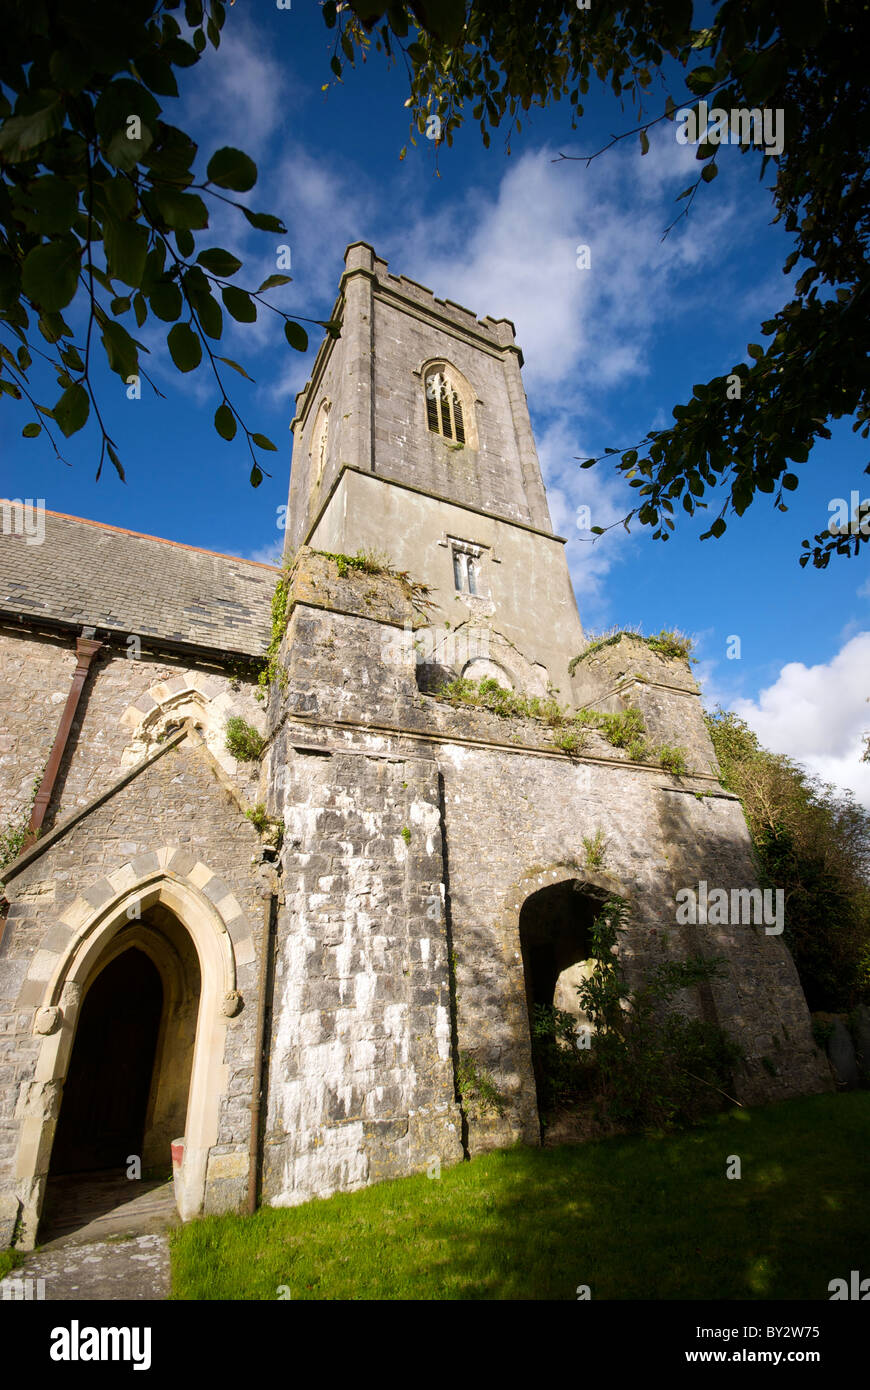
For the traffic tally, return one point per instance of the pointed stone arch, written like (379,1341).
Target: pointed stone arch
(448,375)
(166,705)
(221,937)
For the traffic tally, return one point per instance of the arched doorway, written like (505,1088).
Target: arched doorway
(105,1096)
(555,939)
(126,1090)
(181,930)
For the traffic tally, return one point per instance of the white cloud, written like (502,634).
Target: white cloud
(516,254)
(608,498)
(819,715)
(238,87)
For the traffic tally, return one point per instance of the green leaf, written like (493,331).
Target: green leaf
(272,280)
(52,327)
(225,421)
(235,366)
(117,104)
(120,305)
(157,74)
(121,350)
(233,169)
(239,303)
(71,358)
(296,336)
(140,309)
(644,142)
(166,301)
(71,411)
(709,172)
(718,528)
(264,442)
(207,308)
(185,347)
(755,351)
(264,221)
(181,211)
(21,134)
(256,475)
(50,273)
(789,481)
(701,79)
(31,431)
(45,205)
(219,262)
(185,242)
(116,462)
(126,246)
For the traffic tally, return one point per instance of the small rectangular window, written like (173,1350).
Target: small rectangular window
(466,569)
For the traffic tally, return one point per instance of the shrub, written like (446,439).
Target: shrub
(243,740)
(814,843)
(649,1066)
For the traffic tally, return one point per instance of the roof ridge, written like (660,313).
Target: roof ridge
(161,540)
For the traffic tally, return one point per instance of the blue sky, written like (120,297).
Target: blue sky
(608,352)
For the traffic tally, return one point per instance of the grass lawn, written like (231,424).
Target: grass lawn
(638,1217)
(9,1260)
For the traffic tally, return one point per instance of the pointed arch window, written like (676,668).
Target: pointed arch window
(445,414)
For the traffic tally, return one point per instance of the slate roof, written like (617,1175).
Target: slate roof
(88,574)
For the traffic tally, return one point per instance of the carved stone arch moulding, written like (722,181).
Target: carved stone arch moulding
(221,935)
(167,704)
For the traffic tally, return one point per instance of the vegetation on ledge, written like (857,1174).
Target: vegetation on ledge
(243,740)
(668,643)
(625,729)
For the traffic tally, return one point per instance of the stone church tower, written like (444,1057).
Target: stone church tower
(307,1000)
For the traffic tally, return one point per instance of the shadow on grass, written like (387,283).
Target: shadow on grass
(632,1218)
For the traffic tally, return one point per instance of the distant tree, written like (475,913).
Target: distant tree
(813,843)
(97,206)
(741,431)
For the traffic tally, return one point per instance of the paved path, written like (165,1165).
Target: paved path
(101,1243)
(136,1268)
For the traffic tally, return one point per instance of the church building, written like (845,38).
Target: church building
(279,963)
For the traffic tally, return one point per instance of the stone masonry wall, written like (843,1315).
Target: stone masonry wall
(179,808)
(361,1072)
(35,675)
(515,814)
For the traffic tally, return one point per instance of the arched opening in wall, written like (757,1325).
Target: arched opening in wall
(126,1090)
(555,939)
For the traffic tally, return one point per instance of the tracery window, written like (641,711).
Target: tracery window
(444,413)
